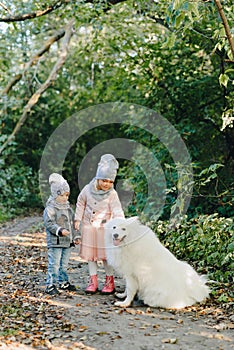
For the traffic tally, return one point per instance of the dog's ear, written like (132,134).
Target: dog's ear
(132,219)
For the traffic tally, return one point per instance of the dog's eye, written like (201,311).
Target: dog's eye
(114,227)
(123,229)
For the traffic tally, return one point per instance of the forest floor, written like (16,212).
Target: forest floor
(31,319)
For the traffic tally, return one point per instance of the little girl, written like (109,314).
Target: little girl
(97,203)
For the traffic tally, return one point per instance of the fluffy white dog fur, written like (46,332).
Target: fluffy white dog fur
(151,271)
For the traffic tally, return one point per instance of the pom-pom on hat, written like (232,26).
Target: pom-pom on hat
(107,167)
(58,185)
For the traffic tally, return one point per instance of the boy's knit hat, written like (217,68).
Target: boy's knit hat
(58,185)
(107,167)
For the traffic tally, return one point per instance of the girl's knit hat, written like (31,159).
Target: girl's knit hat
(58,185)
(107,167)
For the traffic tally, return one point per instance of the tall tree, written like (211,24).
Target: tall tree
(62,56)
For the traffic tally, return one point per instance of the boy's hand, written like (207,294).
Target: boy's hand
(77,241)
(65,232)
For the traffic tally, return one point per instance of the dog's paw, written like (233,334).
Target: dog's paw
(122,303)
(121,295)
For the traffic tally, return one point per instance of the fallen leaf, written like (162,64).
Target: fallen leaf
(102,333)
(156,326)
(180,321)
(82,328)
(170,340)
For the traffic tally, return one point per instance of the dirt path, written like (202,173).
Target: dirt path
(32,320)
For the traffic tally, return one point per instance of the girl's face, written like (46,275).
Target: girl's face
(63,198)
(104,184)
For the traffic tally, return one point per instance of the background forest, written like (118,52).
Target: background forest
(173,57)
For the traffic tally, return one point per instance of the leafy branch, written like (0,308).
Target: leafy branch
(39,13)
(57,36)
(226,25)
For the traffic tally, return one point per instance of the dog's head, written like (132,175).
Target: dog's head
(120,230)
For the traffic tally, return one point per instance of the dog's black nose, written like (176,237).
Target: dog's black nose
(115,235)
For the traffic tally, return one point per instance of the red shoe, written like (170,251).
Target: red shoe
(92,286)
(109,287)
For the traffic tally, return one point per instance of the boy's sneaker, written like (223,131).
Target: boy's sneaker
(67,286)
(52,290)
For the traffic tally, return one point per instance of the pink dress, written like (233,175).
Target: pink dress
(94,208)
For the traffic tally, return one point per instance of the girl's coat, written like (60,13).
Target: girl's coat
(94,208)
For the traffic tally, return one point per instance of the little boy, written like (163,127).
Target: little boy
(60,235)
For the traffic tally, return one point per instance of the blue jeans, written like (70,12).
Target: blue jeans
(58,259)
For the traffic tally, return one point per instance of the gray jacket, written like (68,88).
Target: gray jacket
(55,219)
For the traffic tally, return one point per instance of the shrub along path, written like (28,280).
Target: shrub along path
(29,319)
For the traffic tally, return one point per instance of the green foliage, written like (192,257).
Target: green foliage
(213,182)
(18,190)
(207,242)
(208,184)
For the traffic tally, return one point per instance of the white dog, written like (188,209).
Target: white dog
(150,270)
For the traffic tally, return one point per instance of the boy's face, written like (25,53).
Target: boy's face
(104,184)
(63,198)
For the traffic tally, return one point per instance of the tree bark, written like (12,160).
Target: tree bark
(53,74)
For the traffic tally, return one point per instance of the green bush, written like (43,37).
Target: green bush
(206,242)
(18,190)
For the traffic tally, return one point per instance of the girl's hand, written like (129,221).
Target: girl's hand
(76,225)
